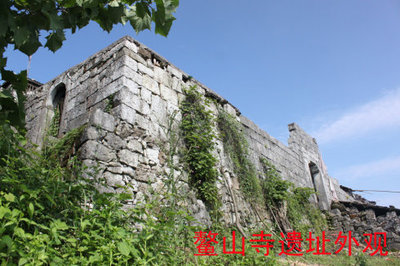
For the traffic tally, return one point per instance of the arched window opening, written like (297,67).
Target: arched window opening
(58,107)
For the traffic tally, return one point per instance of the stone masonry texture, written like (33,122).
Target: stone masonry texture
(127,95)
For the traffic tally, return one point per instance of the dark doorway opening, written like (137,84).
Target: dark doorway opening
(58,105)
(314,176)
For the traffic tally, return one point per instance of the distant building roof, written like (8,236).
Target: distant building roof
(31,84)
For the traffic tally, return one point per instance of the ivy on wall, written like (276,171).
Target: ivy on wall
(275,189)
(236,147)
(198,135)
(65,148)
(302,215)
(109,103)
(54,124)
(197,129)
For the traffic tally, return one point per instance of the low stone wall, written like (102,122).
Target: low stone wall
(367,219)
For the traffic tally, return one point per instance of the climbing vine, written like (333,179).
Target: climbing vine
(198,135)
(55,123)
(64,148)
(236,147)
(302,215)
(275,189)
(109,103)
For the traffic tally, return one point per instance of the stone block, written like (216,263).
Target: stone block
(177,85)
(115,142)
(124,129)
(121,72)
(152,155)
(169,95)
(135,145)
(94,150)
(125,113)
(127,97)
(161,76)
(92,133)
(134,185)
(370,215)
(131,46)
(126,170)
(158,109)
(114,180)
(150,84)
(102,120)
(142,122)
(104,189)
(78,110)
(133,54)
(145,95)
(174,71)
(230,110)
(144,108)
(129,158)
(145,70)
(391,215)
(129,62)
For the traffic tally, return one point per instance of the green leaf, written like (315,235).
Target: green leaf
(31,210)
(30,46)
(20,36)
(18,231)
(4,17)
(9,197)
(140,17)
(84,223)
(3,62)
(21,2)
(6,240)
(142,9)
(59,225)
(23,261)
(3,211)
(55,21)
(163,16)
(82,249)
(94,258)
(123,247)
(55,40)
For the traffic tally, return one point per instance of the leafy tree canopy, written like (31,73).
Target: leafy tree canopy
(22,22)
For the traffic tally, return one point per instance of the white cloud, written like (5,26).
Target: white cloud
(379,114)
(378,169)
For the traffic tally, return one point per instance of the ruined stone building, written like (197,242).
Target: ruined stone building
(126,95)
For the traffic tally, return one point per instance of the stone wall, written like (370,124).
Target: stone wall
(128,96)
(363,219)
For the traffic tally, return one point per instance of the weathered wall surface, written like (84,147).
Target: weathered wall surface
(127,94)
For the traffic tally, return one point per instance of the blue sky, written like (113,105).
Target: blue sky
(332,66)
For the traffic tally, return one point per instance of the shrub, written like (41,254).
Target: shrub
(198,134)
